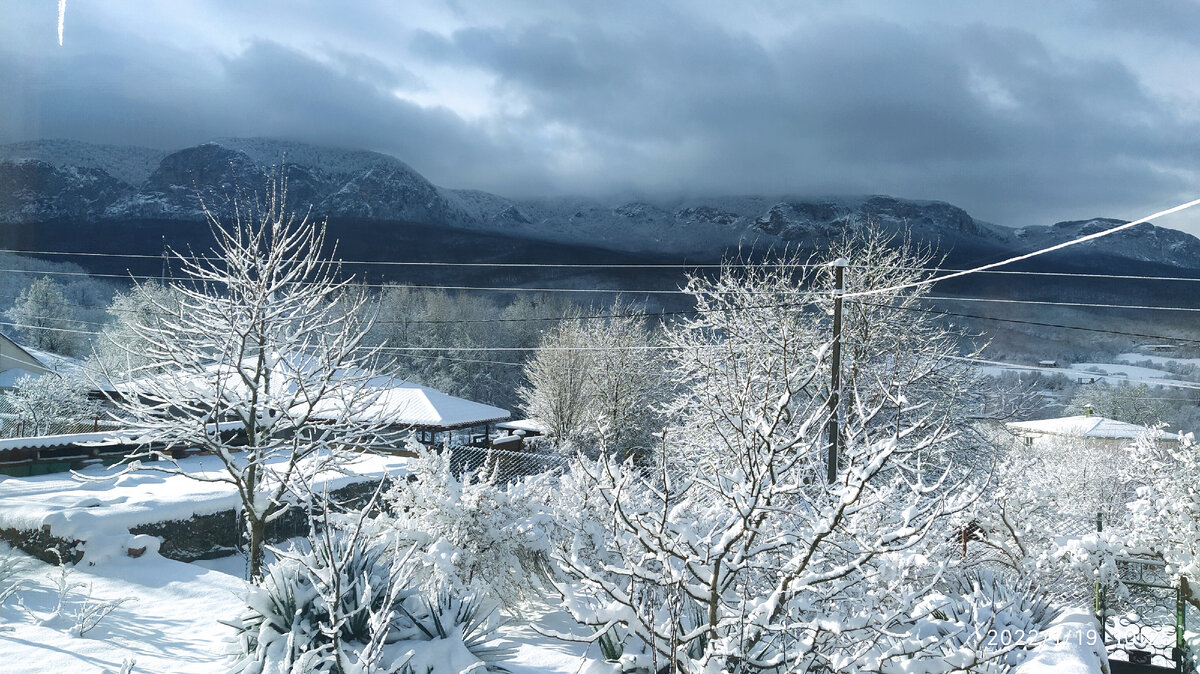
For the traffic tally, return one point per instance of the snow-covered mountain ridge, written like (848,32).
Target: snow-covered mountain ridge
(44,181)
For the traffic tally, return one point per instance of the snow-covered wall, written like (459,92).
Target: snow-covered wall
(1072,646)
(194,518)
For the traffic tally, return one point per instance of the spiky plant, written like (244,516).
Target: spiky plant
(445,616)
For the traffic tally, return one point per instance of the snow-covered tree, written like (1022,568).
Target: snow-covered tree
(1132,403)
(447,327)
(734,553)
(254,361)
(1166,515)
(557,394)
(48,404)
(46,318)
(597,382)
(120,350)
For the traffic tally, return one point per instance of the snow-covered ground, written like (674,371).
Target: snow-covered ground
(1110,373)
(172,624)
(1156,359)
(80,509)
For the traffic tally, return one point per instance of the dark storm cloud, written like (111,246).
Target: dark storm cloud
(1011,123)
(979,115)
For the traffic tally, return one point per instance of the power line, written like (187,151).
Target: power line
(1049,303)
(435,263)
(506,289)
(1034,323)
(44,327)
(612,265)
(1025,256)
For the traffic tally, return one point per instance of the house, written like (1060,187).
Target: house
(1096,430)
(435,417)
(1047,363)
(16,361)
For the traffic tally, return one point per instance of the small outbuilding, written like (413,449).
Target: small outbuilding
(437,418)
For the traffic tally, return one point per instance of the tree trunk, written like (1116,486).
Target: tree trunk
(258,531)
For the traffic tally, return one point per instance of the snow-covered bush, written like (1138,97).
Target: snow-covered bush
(46,405)
(1166,514)
(984,624)
(12,565)
(349,606)
(1043,497)
(475,535)
(75,609)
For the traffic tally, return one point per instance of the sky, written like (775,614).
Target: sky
(1021,112)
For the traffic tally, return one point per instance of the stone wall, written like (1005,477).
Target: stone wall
(199,537)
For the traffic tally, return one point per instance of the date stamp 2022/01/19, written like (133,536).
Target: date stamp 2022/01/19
(996,639)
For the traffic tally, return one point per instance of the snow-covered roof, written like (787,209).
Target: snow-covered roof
(107,438)
(9,377)
(1086,427)
(43,441)
(528,425)
(64,365)
(16,361)
(402,403)
(392,401)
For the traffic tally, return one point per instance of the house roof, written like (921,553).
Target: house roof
(527,425)
(1086,427)
(383,399)
(16,361)
(402,403)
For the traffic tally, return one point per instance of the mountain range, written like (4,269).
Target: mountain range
(75,186)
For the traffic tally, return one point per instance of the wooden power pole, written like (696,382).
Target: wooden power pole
(835,378)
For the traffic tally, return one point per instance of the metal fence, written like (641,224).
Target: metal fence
(508,465)
(14,424)
(1047,532)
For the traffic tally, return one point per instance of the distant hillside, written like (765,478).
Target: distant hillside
(83,188)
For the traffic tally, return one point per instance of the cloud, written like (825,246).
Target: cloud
(1020,124)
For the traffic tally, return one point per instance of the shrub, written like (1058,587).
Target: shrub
(985,624)
(350,607)
(476,535)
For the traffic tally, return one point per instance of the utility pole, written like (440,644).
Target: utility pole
(835,379)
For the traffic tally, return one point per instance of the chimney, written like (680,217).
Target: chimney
(1087,410)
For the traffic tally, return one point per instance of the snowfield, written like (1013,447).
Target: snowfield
(1110,373)
(171,626)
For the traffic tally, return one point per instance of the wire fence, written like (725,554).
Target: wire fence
(1042,534)
(508,465)
(14,424)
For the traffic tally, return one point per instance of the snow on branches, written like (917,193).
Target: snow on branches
(256,358)
(733,553)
